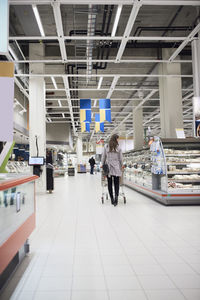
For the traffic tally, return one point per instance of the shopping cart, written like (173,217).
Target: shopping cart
(104,185)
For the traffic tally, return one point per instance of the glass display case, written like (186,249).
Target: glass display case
(138,167)
(17,219)
(168,171)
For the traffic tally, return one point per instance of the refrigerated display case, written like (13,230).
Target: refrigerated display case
(168,171)
(17,220)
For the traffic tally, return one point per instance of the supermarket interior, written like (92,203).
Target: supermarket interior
(100,149)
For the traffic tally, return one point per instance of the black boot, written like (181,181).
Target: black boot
(116,200)
(112,200)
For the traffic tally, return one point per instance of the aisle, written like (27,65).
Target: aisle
(83,250)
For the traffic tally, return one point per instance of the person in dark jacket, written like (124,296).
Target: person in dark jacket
(92,163)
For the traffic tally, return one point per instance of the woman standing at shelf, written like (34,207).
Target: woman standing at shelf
(112,155)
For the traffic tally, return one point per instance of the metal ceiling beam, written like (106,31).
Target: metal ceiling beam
(188,39)
(131,113)
(107,75)
(112,87)
(99,38)
(125,61)
(146,98)
(133,15)
(59,28)
(66,84)
(109,2)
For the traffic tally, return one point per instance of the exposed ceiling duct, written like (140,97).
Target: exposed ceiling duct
(92,15)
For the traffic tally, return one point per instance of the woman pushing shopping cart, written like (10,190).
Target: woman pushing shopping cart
(112,169)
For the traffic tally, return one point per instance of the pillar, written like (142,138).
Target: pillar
(138,131)
(79,149)
(37,119)
(170,89)
(196,80)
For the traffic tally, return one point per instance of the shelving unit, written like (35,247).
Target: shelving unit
(152,172)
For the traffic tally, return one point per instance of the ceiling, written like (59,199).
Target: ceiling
(78,44)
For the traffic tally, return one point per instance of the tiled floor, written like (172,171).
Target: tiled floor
(83,250)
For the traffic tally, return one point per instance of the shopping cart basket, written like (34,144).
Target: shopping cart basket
(104,185)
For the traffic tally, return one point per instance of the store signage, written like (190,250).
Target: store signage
(98,126)
(180,134)
(196,110)
(4,15)
(105,110)
(6,101)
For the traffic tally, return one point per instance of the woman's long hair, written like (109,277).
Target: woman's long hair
(113,143)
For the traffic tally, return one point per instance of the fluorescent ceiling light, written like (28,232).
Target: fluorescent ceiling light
(59,102)
(63,115)
(118,13)
(12,53)
(54,82)
(37,16)
(100,82)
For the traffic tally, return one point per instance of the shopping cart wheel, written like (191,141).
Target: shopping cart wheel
(124,200)
(102,200)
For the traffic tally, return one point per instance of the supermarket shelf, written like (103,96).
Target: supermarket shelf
(184,180)
(181,155)
(183,173)
(183,163)
(177,197)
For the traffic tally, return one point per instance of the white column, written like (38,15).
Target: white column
(138,130)
(79,150)
(171,111)
(37,119)
(196,66)
(196,78)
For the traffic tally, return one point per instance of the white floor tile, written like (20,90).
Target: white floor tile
(156,282)
(123,270)
(114,260)
(88,283)
(142,259)
(148,269)
(127,295)
(60,270)
(177,268)
(196,267)
(54,283)
(46,295)
(123,283)
(87,295)
(191,294)
(186,281)
(87,259)
(164,295)
(87,270)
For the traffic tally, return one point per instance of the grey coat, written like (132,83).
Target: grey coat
(114,160)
